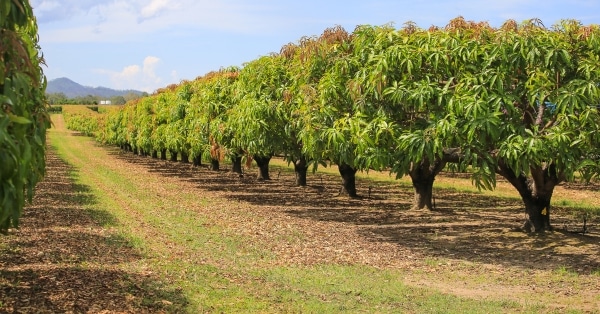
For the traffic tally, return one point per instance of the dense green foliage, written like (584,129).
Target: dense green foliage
(23,115)
(62,99)
(83,119)
(519,101)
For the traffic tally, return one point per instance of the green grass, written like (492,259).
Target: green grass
(580,207)
(338,288)
(217,270)
(564,271)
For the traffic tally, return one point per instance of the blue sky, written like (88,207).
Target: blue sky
(148,44)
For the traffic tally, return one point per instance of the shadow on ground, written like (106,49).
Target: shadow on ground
(464,226)
(65,258)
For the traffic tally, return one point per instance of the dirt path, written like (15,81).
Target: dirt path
(460,249)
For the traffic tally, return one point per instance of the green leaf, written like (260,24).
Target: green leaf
(18,119)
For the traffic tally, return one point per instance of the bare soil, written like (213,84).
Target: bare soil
(468,246)
(62,260)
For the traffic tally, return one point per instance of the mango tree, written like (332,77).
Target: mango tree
(259,118)
(160,119)
(131,128)
(529,110)
(384,98)
(144,120)
(404,88)
(321,68)
(197,139)
(176,130)
(295,58)
(82,119)
(214,93)
(111,133)
(23,113)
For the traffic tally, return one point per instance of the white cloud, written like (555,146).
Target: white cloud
(140,77)
(155,7)
(149,69)
(129,73)
(125,20)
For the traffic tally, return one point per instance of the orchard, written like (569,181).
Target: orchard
(519,101)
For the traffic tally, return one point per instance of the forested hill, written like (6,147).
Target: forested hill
(73,89)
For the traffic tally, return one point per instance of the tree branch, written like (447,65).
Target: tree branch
(519,182)
(452,155)
(540,114)
(538,176)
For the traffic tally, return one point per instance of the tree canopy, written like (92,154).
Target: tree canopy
(23,113)
(519,101)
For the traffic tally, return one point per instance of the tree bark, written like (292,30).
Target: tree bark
(214,164)
(163,154)
(423,187)
(173,156)
(263,167)
(348,174)
(197,160)
(536,192)
(155,154)
(423,175)
(236,164)
(300,169)
(185,158)
(537,211)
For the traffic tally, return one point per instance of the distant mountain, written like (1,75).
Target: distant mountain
(72,89)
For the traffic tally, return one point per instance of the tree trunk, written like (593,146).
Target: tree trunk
(423,187)
(300,169)
(536,193)
(263,167)
(163,154)
(155,154)
(197,160)
(423,175)
(214,164)
(537,211)
(236,164)
(173,156)
(134,150)
(185,158)
(348,174)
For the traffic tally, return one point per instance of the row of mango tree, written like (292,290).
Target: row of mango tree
(519,101)
(23,113)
